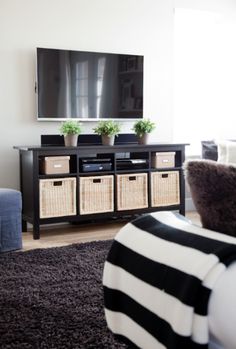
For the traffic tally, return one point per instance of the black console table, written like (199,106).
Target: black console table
(31,175)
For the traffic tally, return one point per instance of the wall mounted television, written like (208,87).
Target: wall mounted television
(88,85)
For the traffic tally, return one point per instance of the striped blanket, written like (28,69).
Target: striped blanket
(158,278)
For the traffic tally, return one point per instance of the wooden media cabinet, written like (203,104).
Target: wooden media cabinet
(129,183)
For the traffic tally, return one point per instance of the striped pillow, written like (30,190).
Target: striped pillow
(158,278)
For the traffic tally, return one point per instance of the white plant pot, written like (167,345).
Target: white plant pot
(144,139)
(108,140)
(71,140)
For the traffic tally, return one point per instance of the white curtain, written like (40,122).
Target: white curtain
(204,77)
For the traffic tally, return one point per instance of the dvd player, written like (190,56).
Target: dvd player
(123,164)
(96,165)
(94,160)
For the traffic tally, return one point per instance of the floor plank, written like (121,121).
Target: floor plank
(63,235)
(66,234)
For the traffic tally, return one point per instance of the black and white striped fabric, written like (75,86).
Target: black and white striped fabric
(158,278)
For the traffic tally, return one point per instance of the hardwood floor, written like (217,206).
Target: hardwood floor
(66,234)
(194,217)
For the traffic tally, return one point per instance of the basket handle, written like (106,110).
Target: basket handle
(132,178)
(97,180)
(57,183)
(164,175)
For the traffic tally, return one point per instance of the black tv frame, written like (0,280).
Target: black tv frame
(93,119)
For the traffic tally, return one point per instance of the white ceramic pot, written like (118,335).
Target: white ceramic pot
(144,139)
(108,140)
(71,140)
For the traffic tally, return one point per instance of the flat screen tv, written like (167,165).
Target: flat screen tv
(88,85)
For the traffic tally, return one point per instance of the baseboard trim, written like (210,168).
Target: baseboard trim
(189,205)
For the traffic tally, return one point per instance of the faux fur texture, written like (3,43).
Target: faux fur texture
(53,299)
(213,189)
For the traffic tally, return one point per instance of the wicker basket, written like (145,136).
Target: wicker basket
(96,194)
(132,191)
(57,197)
(165,188)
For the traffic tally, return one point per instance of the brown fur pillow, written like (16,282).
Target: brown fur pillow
(213,189)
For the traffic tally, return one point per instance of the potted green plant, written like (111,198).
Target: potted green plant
(142,128)
(70,129)
(108,130)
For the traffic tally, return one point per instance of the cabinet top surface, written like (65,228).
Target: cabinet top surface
(98,147)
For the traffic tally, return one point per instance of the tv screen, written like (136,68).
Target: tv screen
(88,85)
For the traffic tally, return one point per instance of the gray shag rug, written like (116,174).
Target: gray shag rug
(53,298)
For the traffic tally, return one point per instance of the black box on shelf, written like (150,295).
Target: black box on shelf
(123,164)
(96,165)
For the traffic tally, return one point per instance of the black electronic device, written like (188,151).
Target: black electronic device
(88,85)
(123,164)
(96,165)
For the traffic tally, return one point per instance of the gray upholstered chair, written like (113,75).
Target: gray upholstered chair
(10,220)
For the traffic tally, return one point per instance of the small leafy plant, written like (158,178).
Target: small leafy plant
(70,127)
(107,128)
(144,126)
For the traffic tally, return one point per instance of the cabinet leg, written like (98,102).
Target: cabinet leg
(24,225)
(182,209)
(36,232)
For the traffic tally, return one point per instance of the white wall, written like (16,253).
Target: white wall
(124,26)
(207,5)
(127,26)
